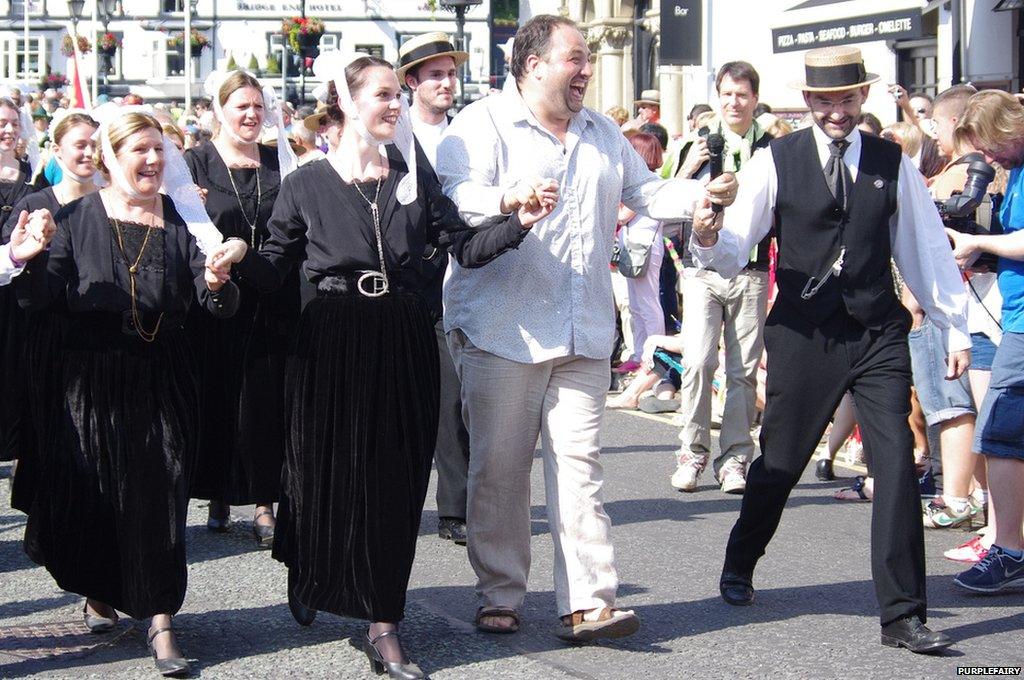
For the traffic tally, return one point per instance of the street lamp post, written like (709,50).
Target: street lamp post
(75,8)
(460,7)
(189,75)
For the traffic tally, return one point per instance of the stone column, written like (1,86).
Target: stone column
(608,38)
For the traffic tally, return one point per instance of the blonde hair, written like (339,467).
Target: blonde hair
(69,121)
(619,114)
(120,130)
(992,120)
(906,135)
(778,128)
(173,131)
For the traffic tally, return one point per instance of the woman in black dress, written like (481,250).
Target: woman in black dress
(242,359)
(363,385)
(15,178)
(73,146)
(108,520)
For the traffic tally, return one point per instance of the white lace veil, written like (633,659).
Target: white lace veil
(178,184)
(273,117)
(331,66)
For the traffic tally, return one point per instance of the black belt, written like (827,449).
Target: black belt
(365,283)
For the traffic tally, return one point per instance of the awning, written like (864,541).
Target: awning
(35,24)
(174,25)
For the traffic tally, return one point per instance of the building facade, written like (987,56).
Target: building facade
(150,61)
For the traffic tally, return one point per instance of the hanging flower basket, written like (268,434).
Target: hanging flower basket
(67,46)
(199,41)
(107,44)
(54,80)
(303,33)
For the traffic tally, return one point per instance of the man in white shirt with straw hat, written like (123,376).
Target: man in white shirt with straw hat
(843,206)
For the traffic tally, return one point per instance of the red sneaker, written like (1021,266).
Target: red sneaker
(970,552)
(630,366)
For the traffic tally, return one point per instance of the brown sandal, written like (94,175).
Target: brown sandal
(611,623)
(507,612)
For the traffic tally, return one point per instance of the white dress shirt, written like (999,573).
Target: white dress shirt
(552,297)
(8,270)
(428,135)
(919,243)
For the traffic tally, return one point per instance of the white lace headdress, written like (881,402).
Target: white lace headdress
(273,117)
(178,183)
(58,116)
(331,66)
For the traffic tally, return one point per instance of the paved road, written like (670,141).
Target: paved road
(815,616)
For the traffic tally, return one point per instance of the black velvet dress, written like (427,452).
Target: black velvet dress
(13,433)
(108,516)
(40,347)
(242,359)
(363,384)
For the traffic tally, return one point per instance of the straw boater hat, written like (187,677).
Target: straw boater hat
(313,121)
(427,46)
(830,69)
(650,97)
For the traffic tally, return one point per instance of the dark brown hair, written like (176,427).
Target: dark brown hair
(355,72)
(738,70)
(534,38)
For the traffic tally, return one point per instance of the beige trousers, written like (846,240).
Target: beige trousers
(506,404)
(734,311)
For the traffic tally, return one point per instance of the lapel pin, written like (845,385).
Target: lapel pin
(879,184)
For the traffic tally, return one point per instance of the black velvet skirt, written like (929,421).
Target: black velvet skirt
(242,363)
(111,485)
(362,408)
(13,406)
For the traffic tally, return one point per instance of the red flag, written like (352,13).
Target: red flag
(77,92)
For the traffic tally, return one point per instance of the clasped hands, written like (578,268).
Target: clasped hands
(220,260)
(32,234)
(533,198)
(706,222)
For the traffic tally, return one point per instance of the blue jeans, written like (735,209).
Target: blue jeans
(941,400)
(1000,430)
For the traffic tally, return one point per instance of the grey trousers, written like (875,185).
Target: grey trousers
(506,405)
(451,454)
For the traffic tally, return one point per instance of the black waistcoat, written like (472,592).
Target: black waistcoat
(811,228)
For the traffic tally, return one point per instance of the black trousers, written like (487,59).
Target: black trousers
(451,455)
(810,367)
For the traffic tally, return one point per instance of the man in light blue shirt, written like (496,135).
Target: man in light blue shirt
(531,334)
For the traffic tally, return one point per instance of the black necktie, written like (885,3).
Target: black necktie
(836,172)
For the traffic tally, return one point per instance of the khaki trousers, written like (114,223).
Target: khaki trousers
(506,404)
(733,310)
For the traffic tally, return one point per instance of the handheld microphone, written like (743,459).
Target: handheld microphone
(716,145)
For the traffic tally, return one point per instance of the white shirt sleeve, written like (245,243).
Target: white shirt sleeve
(925,259)
(8,270)
(648,194)
(467,164)
(747,220)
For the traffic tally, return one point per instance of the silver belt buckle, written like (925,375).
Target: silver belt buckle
(378,285)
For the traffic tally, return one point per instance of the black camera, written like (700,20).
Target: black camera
(958,211)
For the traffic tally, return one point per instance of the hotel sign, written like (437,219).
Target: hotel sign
(901,25)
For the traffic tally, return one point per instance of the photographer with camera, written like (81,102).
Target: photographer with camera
(993,123)
(948,404)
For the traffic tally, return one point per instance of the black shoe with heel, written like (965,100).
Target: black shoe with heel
(823,470)
(264,532)
(173,667)
(219,518)
(403,671)
(302,614)
(98,624)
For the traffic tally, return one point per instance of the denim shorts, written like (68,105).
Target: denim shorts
(1000,428)
(941,399)
(983,351)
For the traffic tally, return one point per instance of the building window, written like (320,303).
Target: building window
(329,42)
(35,8)
(12,60)
(372,50)
(173,5)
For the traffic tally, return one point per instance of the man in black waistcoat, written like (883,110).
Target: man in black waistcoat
(843,204)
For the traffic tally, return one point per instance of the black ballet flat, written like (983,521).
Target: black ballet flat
(404,671)
(98,624)
(219,518)
(264,533)
(302,614)
(173,667)
(823,470)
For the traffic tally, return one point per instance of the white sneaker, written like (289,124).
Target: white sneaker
(733,476)
(689,469)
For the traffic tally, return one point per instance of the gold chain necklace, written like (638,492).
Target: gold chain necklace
(133,268)
(259,200)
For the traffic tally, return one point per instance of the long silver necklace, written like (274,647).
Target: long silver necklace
(382,285)
(256,213)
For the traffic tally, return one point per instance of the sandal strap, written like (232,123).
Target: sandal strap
(498,612)
(577,617)
(382,635)
(152,636)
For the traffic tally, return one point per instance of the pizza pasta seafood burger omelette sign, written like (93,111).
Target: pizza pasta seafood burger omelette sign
(901,25)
